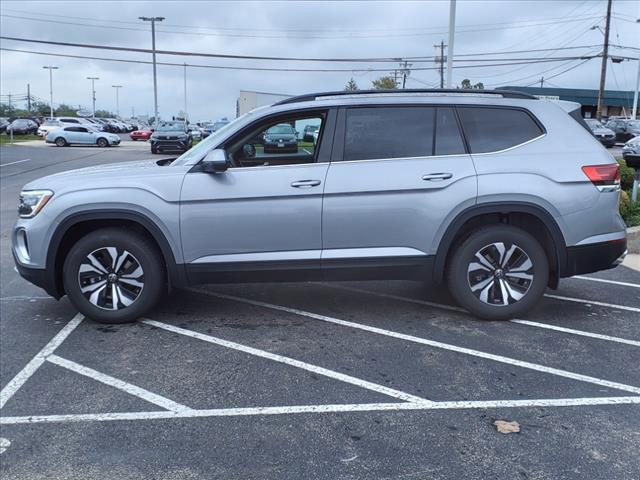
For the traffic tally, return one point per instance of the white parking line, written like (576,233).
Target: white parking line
(522,322)
(119,384)
(591,302)
(13,163)
(289,361)
(612,282)
(432,343)
(36,362)
(578,332)
(311,409)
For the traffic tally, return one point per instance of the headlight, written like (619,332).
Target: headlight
(32,201)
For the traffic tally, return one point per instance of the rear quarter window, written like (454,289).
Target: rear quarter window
(494,129)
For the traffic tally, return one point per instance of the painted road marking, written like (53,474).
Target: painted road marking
(591,302)
(602,280)
(13,163)
(432,343)
(289,361)
(4,444)
(572,331)
(119,384)
(36,362)
(311,409)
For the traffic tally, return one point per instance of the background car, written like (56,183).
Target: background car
(173,135)
(48,125)
(142,134)
(4,123)
(606,136)
(308,132)
(624,128)
(80,134)
(632,147)
(281,138)
(22,126)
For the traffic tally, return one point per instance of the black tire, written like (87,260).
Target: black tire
(132,301)
(61,142)
(102,142)
(488,300)
(154,150)
(134,138)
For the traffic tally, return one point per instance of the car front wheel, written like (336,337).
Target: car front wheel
(498,272)
(113,275)
(60,142)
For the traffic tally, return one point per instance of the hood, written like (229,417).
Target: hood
(101,176)
(603,131)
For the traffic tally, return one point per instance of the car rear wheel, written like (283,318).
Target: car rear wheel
(102,142)
(498,272)
(113,275)
(61,142)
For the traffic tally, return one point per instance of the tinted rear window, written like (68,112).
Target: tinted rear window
(493,129)
(389,132)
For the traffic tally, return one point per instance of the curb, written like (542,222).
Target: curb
(633,239)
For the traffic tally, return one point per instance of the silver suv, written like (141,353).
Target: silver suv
(497,193)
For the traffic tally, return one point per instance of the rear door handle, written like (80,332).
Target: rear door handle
(305,183)
(435,177)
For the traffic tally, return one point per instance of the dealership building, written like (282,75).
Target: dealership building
(616,102)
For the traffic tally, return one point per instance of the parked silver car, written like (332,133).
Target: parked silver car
(81,134)
(605,135)
(496,193)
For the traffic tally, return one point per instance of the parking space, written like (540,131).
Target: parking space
(317,380)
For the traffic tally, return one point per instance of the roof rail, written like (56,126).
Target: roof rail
(316,96)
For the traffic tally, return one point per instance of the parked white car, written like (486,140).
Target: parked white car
(49,125)
(81,134)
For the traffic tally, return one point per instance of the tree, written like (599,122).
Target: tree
(104,114)
(64,110)
(466,85)
(351,85)
(385,83)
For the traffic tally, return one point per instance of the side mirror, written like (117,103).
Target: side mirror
(215,161)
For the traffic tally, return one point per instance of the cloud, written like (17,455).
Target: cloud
(290,29)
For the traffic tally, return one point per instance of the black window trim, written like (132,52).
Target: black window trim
(327,128)
(337,155)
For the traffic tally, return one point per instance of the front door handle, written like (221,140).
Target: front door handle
(305,183)
(435,177)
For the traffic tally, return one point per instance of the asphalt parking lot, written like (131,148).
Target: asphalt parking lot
(375,380)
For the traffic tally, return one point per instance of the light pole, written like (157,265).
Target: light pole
(635,94)
(51,69)
(93,94)
(185,93)
(153,21)
(117,87)
(452,29)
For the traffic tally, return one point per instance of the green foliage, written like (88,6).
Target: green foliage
(626,175)
(104,114)
(351,85)
(629,211)
(466,84)
(385,83)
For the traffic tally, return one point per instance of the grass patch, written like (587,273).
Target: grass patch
(5,139)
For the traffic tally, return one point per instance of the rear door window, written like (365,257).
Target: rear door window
(389,132)
(494,129)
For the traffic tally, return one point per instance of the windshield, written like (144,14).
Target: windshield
(593,123)
(203,147)
(634,123)
(170,127)
(51,123)
(281,129)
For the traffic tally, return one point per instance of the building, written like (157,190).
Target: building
(248,100)
(616,102)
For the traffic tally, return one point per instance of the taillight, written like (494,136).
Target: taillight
(604,177)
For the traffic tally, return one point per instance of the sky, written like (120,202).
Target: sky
(353,30)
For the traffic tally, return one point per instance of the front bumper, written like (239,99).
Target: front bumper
(170,144)
(40,277)
(595,257)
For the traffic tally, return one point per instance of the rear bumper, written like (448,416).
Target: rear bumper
(595,257)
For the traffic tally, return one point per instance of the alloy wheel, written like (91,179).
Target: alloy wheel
(111,278)
(500,274)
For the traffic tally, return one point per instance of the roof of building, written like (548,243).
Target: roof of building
(614,98)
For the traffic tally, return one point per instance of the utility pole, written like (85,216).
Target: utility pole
(603,68)
(93,94)
(51,69)
(635,94)
(440,60)
(185,93)
(28,98)
(153,21)
(404,68)
(452,30)
(541,82)
(117,87)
